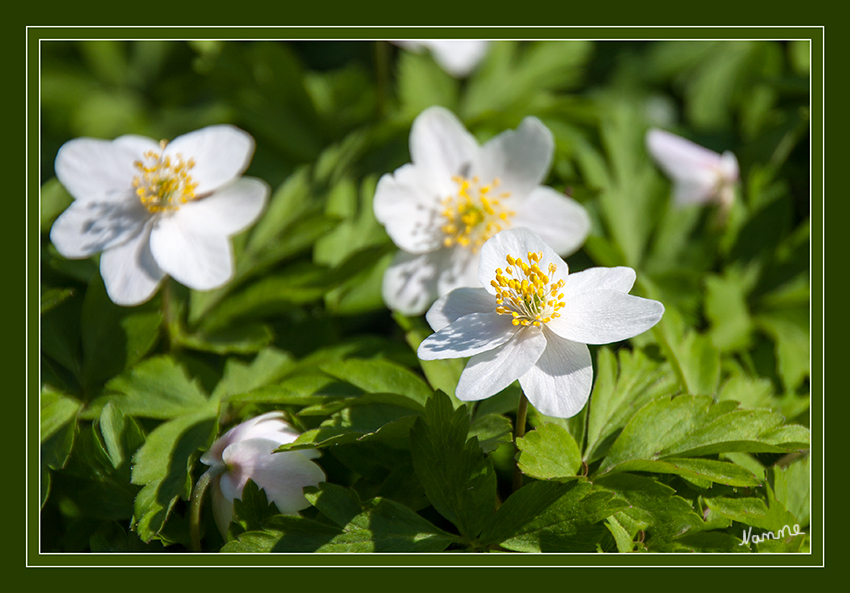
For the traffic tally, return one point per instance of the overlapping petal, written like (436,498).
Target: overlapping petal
(605,316)
(98,170)
(469,335)
(220,153)
(129,271)
(228,211)
(407,204)
(90,226)
(441,145)
(559,382)
(561,222)
(456,304)
(202,261)
(490,372)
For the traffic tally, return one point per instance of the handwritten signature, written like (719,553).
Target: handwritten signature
(757,539)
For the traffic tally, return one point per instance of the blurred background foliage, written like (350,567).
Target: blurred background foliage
(331,117)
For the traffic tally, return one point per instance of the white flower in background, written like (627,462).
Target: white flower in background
(441,208)
(157,208)
(532,322)
(699,175)
(458,57)
(246,451)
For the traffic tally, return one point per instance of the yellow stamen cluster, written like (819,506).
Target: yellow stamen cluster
(164,183)
(527,295)
(475,214)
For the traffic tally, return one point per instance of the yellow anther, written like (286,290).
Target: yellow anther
(532,299)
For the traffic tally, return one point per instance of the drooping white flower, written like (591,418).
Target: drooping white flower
(699,175)
(441,208)
(246,451)
(532,322)
(157,208)
(458,57)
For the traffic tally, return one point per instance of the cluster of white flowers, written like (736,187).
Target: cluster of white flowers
(477,232)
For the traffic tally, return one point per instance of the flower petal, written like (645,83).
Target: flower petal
(605,316)
(488,373)
(456,304)
(198,260)
(441,146)
(282,476)
(559,383)
(227,211)
(695,170)
(407,203)
(410,283)
(221,153)
(222,508)
(519,159)
(458,57)
(467,336)
(99,170)
(620,278)
(270,425)
(87,227)
(518,242)
(129,271)
(559,220)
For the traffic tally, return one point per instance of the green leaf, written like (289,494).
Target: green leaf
(157,388)
(491,430)
(552,517)
(381,376)
(250,510)
(54,200)
(422,83)
(792,489)
(245,338)
(619,393)
(727,311)
(549,452)
(721,472)
(344,430)
(377,525)
(268,366)
(304,390)
(689,426)
(458,478)
(441,374)
(790,330)
(58,428)
(162,466)
(54,296)
(114,337)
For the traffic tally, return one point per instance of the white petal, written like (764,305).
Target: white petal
(695,170)
(517,242)
(139,145)
(620,278)
(605,316)
(458,57)
(407,203)
(282,476)
(559,383)
(441,146)
(129,271)
(559,220)
(410,283)
(221,153)
(460,271)
(488,373)
(227,211)
(467,336)
(456,304)
(222,508)
(99,170)
(91,226)
(198,260)
(519,159)
(729,167)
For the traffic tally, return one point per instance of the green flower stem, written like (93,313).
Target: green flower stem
(197,498)
(519,431)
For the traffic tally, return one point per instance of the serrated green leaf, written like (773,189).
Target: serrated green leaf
(491,430)
(549,452)
(441,374)
(157,388)
(250,510)
(162,466)
(791,485)
(269,365)
(700,470)
(619,393)
(688,426)
(552,517)
(458,478)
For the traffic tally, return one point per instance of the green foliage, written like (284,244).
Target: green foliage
(695,437)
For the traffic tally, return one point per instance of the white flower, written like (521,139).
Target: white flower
(531,322)
(246,450)
(158,208)
(699,175)
(458,57)
(442,207)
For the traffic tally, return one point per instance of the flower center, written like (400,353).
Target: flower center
(524,292)
(475,214)
(164,183)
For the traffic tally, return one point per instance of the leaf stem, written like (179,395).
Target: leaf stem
(197,498)
(519,431)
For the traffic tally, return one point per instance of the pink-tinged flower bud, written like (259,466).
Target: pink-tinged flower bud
(246,451)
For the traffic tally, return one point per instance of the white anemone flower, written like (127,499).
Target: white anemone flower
(157,208)
(246,452)
(457,57)
(699,175)
(532,322)
(441,208)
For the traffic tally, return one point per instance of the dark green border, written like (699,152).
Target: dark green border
(817,557)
